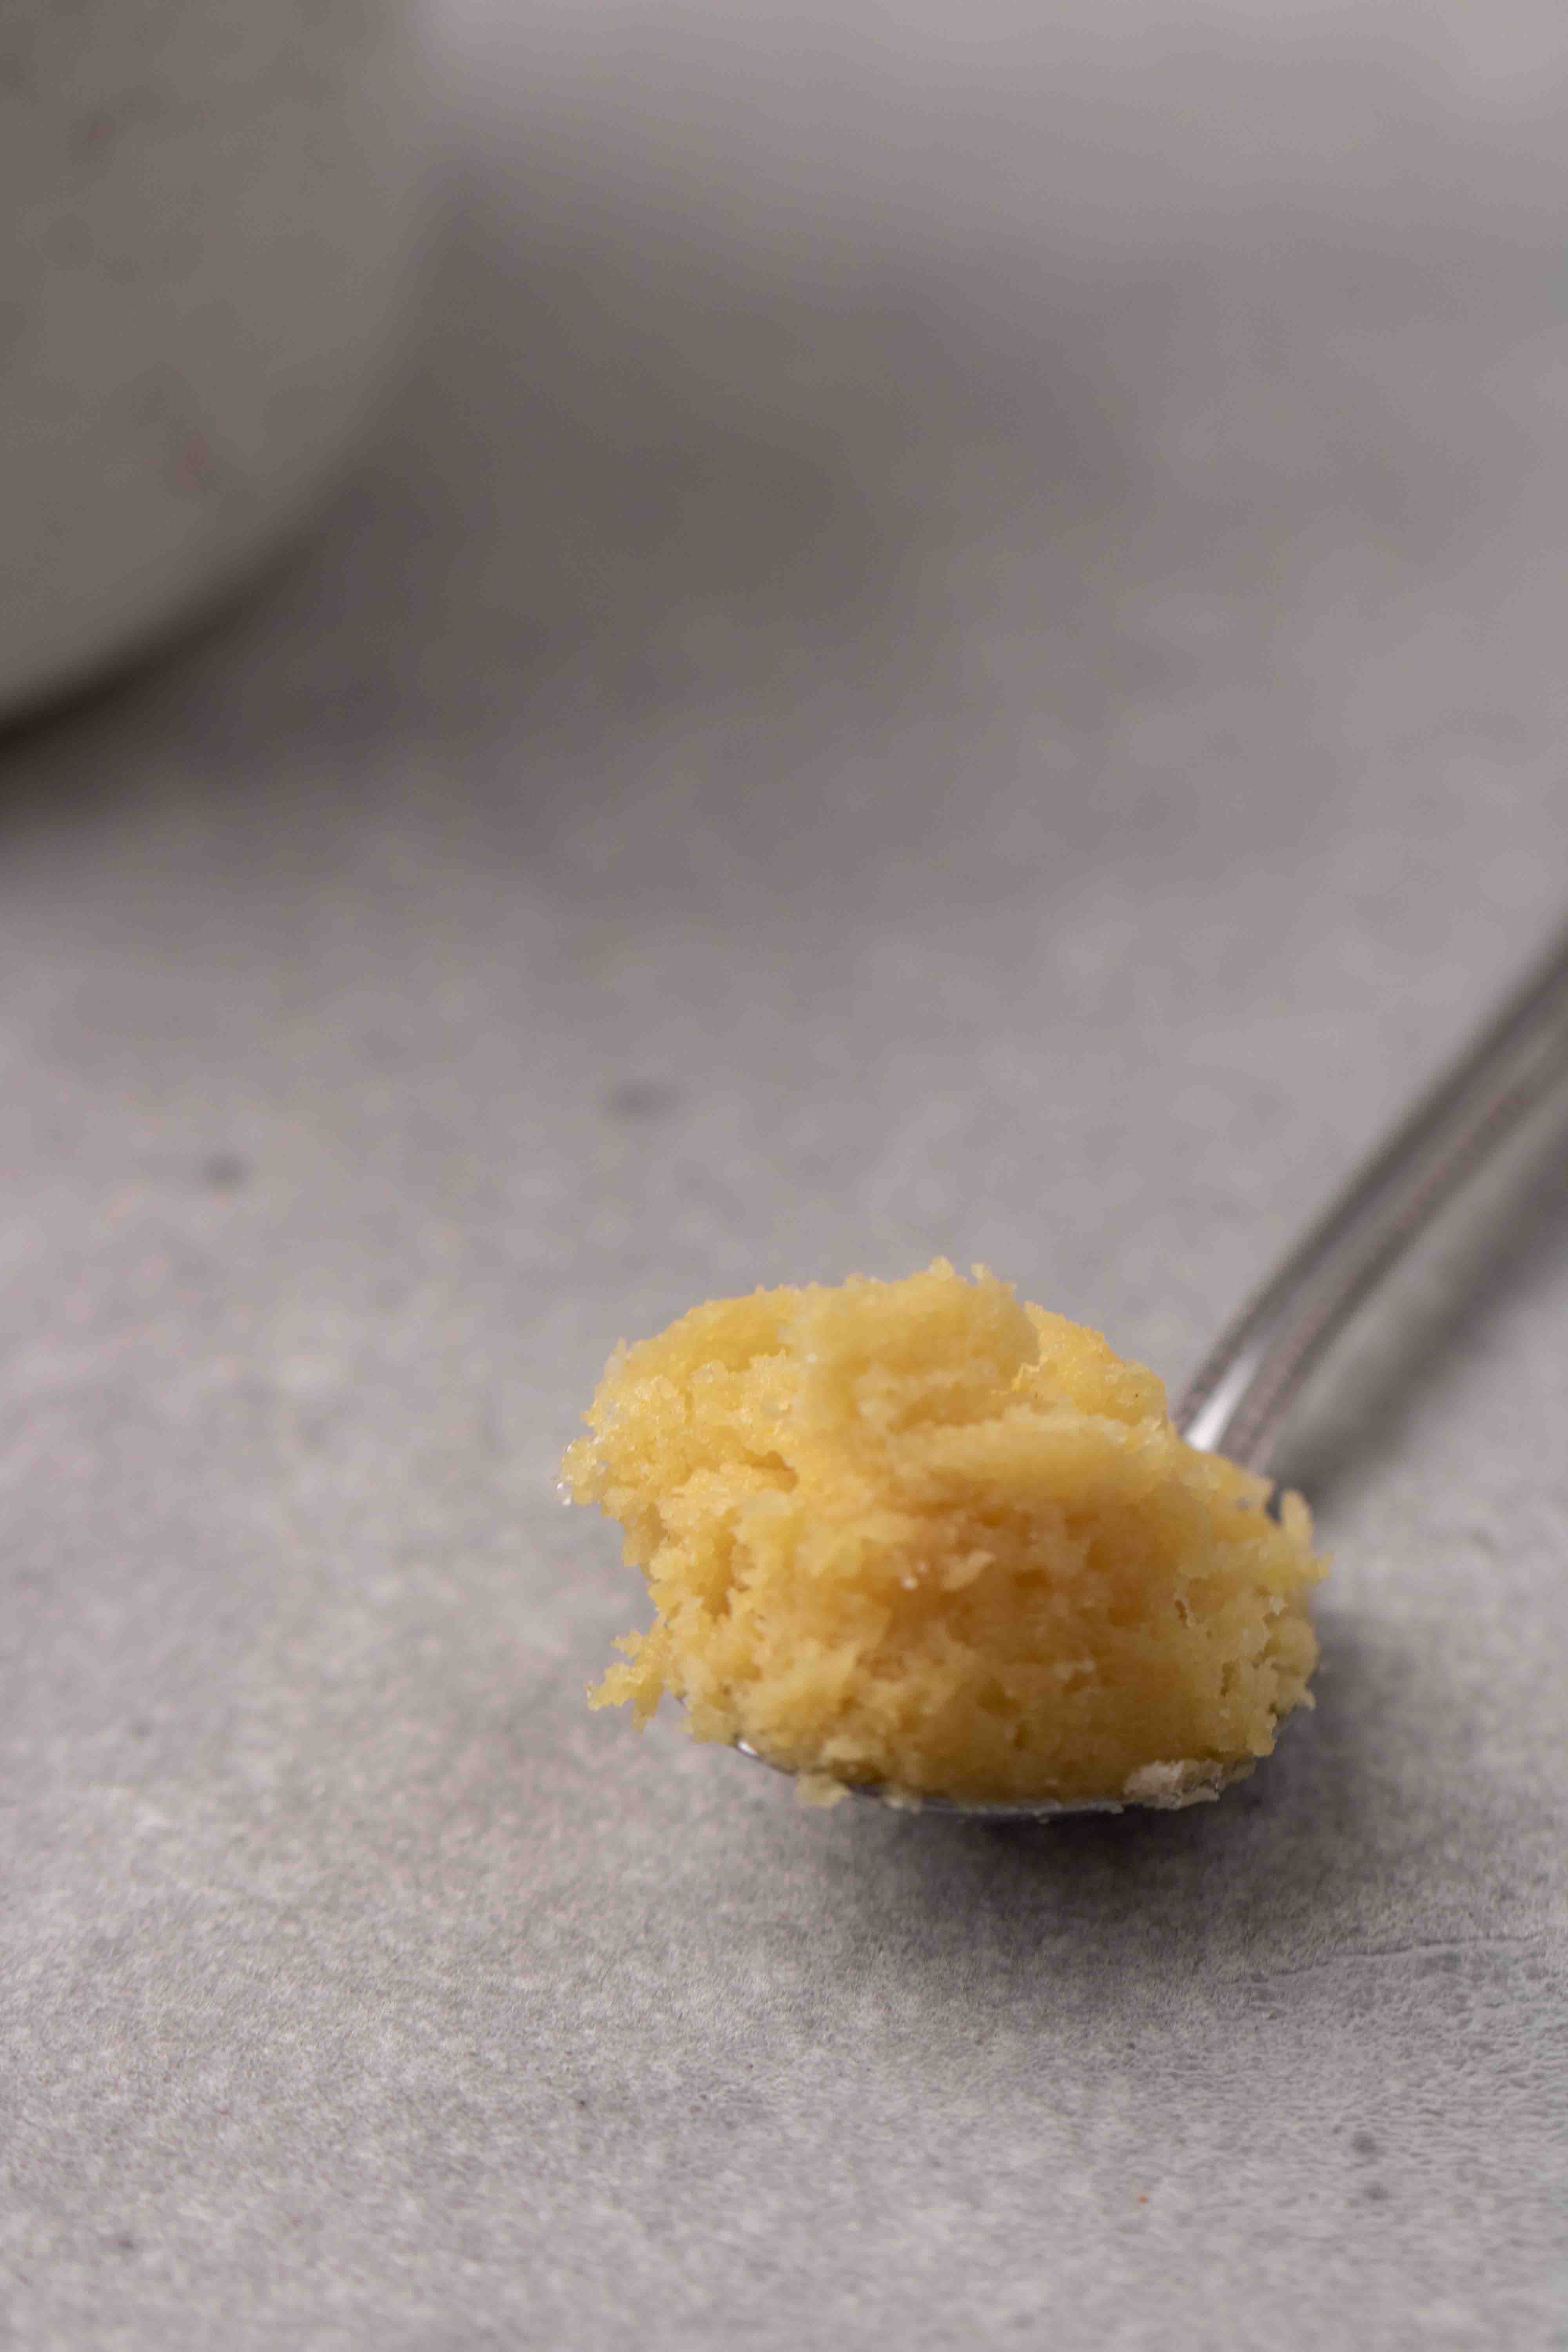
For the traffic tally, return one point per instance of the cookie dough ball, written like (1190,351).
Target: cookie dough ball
(919,1536)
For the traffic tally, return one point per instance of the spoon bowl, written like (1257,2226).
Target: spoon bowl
(1029,1808)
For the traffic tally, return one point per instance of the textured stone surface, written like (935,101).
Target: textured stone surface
(957,644)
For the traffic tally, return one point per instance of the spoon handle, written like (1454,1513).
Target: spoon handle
(1239,1396)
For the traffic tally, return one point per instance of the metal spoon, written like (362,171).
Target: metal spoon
(1241,1395)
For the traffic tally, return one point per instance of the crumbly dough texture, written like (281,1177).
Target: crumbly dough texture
(920,1536)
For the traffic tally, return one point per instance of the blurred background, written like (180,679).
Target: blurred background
(949,640)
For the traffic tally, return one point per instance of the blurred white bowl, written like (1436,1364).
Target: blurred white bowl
(213,211)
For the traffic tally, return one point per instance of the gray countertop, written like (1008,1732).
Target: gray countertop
(955,644)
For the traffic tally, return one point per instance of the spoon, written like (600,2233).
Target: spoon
(1241,1393)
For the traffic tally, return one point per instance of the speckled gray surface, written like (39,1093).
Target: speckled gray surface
(956,645)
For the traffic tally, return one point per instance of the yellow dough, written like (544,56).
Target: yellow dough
(918,1535)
